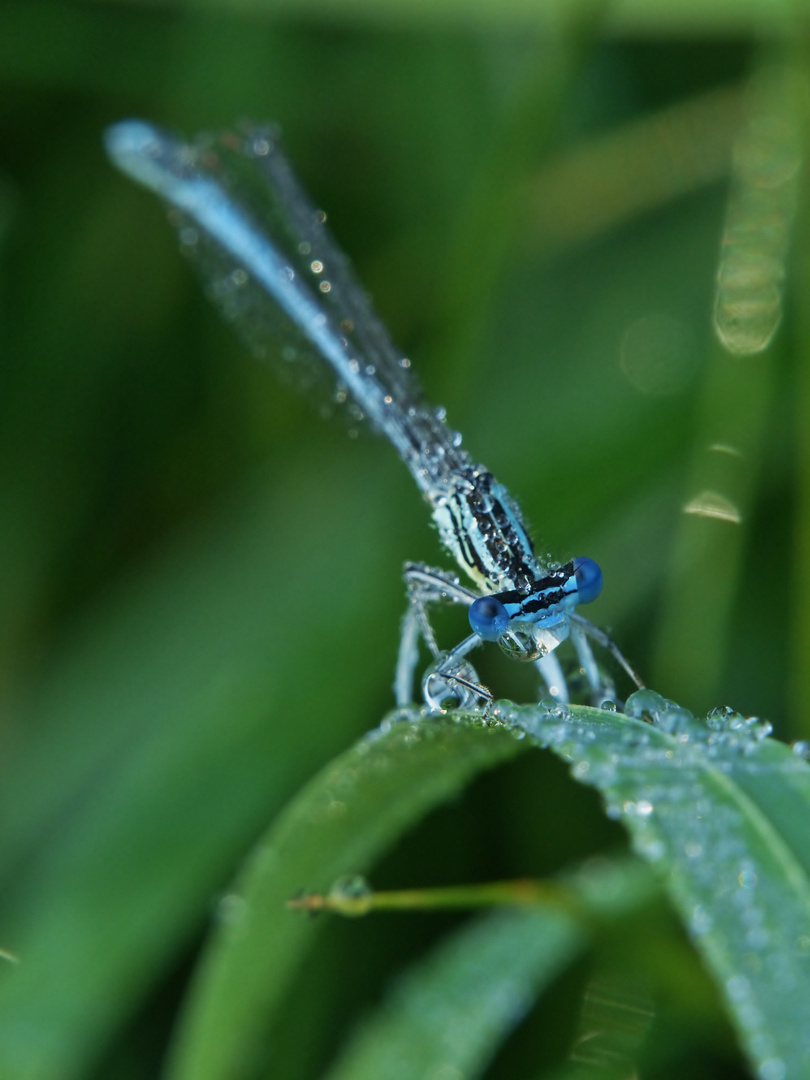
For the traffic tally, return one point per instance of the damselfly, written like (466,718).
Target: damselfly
(264,250)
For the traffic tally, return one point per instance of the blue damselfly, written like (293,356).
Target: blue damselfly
(263,249)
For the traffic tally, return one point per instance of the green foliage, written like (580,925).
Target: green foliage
(720,811)
(200,579)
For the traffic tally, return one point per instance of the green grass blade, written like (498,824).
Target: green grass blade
(450,1013)
(342,820)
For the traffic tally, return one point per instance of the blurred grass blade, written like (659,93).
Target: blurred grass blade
(450,1013)
(799,673)
(759,216)
(163,731)
(492,216)
(693,642)
(729,442)
(626,16)
(339,823)
(609,179)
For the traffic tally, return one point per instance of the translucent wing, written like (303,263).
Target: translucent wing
(277,275)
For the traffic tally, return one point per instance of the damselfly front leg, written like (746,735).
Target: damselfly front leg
(581,630)
(451,674)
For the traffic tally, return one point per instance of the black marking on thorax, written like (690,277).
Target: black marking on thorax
(488,530)
(550,590)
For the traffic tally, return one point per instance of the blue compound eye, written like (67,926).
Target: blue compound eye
(488,617)
(589,580)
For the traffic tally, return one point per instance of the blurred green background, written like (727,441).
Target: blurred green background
(201,580)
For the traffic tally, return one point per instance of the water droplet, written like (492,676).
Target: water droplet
(722,717)
(700,921)
(261,146)
(350,887)
(644,702)
(675,720)
(452,689)
(738,988)
(558,711)
(729,728)
(231,909)
(761,729)
(757,939)
(650,848)
(355,890)
(772,1069)
(801,749)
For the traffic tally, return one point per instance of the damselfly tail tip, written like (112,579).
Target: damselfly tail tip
(133,145)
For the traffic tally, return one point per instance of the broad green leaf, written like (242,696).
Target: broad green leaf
(344,818)
(723,813)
